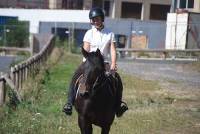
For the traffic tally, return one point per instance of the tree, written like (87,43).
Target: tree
(16,34)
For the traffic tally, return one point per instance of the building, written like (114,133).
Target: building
(140,23)
(55,4)
(189,5)
(7,3)
(141,9)
(183,27)
(30,4)
(137,9)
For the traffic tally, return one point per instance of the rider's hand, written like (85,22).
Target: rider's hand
(113,67)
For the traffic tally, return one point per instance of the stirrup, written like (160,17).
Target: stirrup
(124,104)
(123,108)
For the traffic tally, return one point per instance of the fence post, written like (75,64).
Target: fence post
(12,75)
(17,77)
(26,70)
(2,91)
(12,86)
(20,75)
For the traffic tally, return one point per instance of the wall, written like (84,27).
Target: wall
(154,30)
(55,4)
(193,35)
(7,3)
(116,10)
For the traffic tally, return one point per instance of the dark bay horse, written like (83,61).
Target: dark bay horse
(98,103)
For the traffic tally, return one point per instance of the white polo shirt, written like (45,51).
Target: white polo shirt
(100,39)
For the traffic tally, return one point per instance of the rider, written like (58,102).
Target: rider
(97,37)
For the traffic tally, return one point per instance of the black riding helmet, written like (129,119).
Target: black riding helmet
(94,12)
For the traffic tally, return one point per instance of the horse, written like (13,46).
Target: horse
(96,95)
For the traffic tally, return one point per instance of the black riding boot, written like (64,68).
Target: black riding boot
(121,109)
(72,92)
(68,106)
(121,106)
(67,109)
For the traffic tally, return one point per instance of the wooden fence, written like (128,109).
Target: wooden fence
(19,73)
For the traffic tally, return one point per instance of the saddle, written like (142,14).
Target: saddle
(81,86)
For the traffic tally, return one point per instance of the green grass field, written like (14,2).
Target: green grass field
(152,110)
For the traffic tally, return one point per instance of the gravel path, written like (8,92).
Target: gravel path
(170,74)
(5,62)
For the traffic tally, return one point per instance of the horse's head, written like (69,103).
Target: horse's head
(93,67)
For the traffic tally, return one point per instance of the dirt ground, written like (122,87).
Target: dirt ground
(172,75)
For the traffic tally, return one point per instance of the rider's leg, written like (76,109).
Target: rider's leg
(121,106)
(72,92)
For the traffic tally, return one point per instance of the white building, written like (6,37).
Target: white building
(35,16)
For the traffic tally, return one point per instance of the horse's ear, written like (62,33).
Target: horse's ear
(98,51)
(84,52)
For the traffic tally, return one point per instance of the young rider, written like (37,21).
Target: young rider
(97,37)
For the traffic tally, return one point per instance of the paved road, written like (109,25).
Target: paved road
(168,73)
(5,62)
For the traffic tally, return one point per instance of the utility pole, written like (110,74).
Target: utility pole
(4,35)
(5,31)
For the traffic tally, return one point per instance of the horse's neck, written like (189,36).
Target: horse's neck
(101,86)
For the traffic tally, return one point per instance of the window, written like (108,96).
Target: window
(107,7)
(186,4)
(131,10)
(97,3)
(190,3)
(159,12)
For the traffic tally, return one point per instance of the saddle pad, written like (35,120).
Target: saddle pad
(81,85)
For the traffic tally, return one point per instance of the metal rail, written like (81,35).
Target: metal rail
(8,49)
(156,50)
(163,52)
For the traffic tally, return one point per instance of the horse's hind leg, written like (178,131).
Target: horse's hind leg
(85,126)
(105,130)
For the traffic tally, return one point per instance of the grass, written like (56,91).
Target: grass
(152,110)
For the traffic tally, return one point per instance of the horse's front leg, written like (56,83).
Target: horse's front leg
(105,130)
(84,125)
